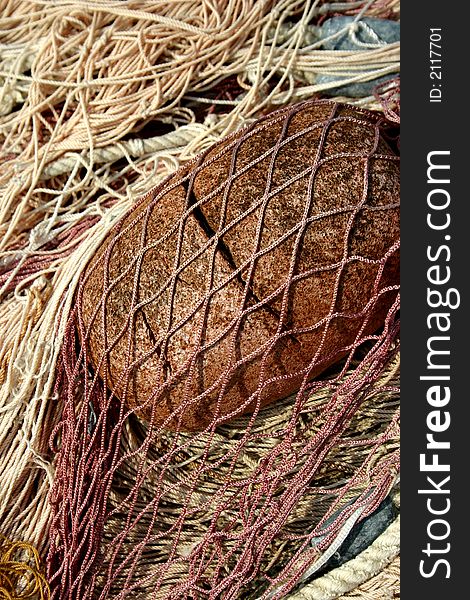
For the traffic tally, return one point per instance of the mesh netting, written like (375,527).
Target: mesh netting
(228,288)
(388,94)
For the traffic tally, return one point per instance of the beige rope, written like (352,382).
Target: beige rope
(356,571)
(99,71)
(15,59)
(28,412)
(170,143)
(156,62)
(383,586)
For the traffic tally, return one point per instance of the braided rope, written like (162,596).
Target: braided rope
(169,143)
(356,571)
(15,59)
(383,586)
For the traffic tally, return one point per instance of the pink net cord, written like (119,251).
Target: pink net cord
(385,9)
(24,264)
(388,94)
(145,509)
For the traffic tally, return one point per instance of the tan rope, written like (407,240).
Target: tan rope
(170,143)
(15,60)
(383,586)
(99,71)
(356,571)
(28,412)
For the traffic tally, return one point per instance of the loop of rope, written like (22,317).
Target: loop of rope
(21,572)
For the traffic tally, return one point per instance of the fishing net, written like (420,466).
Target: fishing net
(98,102)
(165,335)
(277,544)
(388,94)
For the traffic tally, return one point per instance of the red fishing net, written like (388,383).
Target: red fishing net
(267,261)
(388,94)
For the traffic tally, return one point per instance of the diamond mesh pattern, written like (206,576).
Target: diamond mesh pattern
(230,286)
(264,261)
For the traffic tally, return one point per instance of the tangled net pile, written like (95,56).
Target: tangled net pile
(98,101)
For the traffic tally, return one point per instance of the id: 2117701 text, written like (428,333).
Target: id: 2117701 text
(435,64)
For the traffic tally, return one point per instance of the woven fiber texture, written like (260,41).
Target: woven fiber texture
(383,586)
(92,115)
(373,574)
(130,482)
(125,515)
(258,261)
